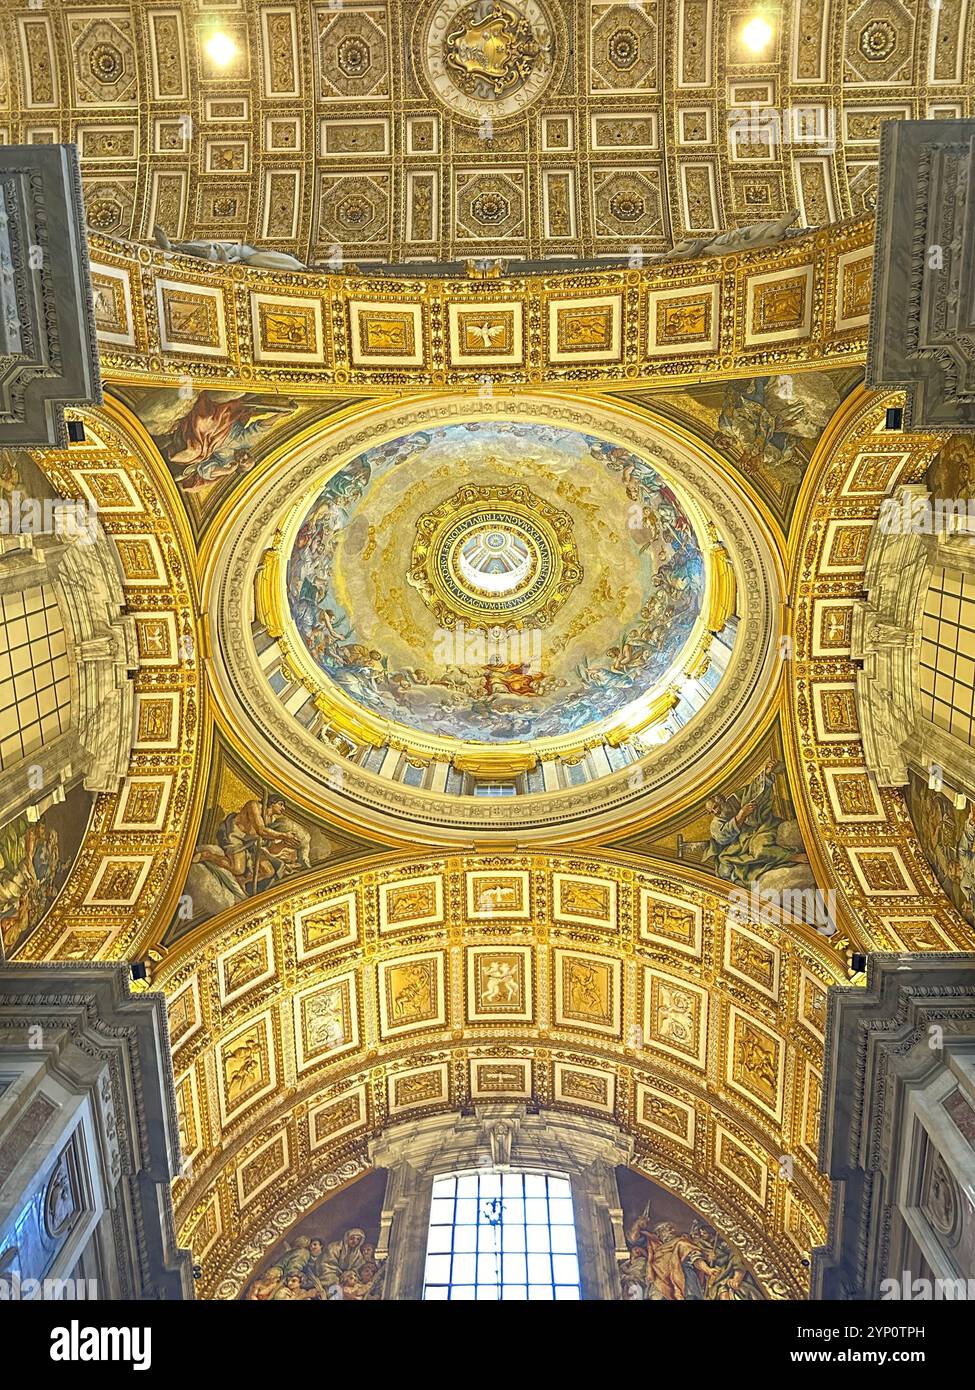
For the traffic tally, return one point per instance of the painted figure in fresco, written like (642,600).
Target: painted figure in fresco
(948,839)
(952,470)
(252,848)
(340,1271)
(669,1265)
(744,831)
(211,437)
(30,875)
(753,836)
(764,421)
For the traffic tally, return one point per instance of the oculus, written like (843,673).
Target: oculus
(492,555)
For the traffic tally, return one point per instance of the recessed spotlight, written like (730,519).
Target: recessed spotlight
(221,49)
(757,34)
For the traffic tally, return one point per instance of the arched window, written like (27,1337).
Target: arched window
(501,1235)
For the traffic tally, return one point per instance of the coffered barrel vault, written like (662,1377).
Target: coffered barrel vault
(301,1029)
(385,130)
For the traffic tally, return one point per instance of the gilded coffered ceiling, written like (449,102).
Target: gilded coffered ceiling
(301,1028)
(389,131)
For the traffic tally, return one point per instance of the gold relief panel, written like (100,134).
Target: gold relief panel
(559,203)
(110,490)
(485,335)
(588,1086)
(282,134)
(282,204)
(354,209)
(752,959)
(832,626)
(623,47)
(326,925)
(854,276)
(326,1020)
(423,134)
(759,195)
(226,156)
(558,133)
(191,1138)
(874,472)
(675,1017)
(698,191)
(740,1165)
(882,873)
(191,319)
(424,1086)
(589,902)
(411,994)
(141,560)
(352,139)
(353,52)
(585,330)
(778,306)
(623,130)
(386,335)
(280,64)
(506,1077)
(246,1067)
(75,944)
(845,547)
(587,991)
(628,204)
(245,966)
(494,896)
(853,795)
(499,984)
(812,1104)
(755,1062)
(268,1162)
(156,639)
(490,205)
(156,721)
(423,205)
(411,902)
(695,125)
(111,295)
(666,1115)
(118,881)
(669,922)
(685,320)
(916,933)
(287,330)
(206,1230)
(835,711)
(335,1118)
(800,1226)
(185,1013)
(812,1004)
(143,803)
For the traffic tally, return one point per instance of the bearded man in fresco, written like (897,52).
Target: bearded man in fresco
(744,831)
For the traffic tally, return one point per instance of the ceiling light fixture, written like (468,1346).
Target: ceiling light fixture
(757,34)
(221,49)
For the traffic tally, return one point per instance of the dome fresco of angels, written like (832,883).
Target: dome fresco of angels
(617,635)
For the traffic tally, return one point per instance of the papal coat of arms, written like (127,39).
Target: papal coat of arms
(492,45)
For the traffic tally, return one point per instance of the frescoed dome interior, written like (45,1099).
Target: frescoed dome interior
(494,581)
